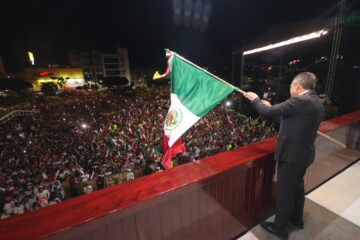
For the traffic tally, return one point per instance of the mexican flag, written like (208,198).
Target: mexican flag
(194,92)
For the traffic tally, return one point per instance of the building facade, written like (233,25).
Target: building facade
(97,65)
(117,65)
(90,62)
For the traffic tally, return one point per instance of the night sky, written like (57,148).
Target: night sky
(146,27)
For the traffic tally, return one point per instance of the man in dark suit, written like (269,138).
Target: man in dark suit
(299,117)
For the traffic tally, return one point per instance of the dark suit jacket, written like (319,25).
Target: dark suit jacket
(300,118)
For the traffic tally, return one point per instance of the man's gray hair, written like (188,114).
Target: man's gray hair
(306,79)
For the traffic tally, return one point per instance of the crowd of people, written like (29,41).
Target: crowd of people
(71,146)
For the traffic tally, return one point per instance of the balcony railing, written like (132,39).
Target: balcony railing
(219,197)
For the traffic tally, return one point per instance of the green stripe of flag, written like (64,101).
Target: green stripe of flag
(197,90)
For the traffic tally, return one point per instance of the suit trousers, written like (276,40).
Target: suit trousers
(290,196)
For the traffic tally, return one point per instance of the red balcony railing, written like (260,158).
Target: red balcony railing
(219,197)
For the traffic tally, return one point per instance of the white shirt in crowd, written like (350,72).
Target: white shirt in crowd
(9,208)
(88,189)
(43,194)
(19,209)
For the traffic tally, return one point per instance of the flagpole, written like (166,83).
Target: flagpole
(221,80)
(331,139)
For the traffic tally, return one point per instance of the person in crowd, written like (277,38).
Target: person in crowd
(88,188)
(8,208)
(42,193)
(150,167)
(18,208)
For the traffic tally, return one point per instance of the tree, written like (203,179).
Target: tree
(158,82)
(14,84)
(49,88)
(60,81)
(123,81)
(115,81)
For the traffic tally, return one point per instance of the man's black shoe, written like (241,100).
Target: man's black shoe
(298,225)
(271,229)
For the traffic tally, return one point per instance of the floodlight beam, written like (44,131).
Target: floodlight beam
(302,38)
